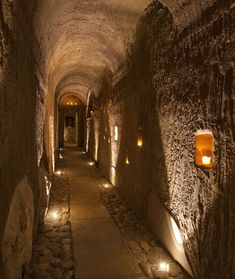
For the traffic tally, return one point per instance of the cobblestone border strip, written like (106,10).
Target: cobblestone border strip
(148,251)
(53,249)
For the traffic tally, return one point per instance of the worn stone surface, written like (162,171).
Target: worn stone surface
(180,79)
(52,251)
(177,83)
(18,234)
(145,247)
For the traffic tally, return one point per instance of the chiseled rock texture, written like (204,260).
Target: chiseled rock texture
(21,142)
(178,81)
(18,234)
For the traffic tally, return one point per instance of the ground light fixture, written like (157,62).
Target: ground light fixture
(55,215)
(106,185)
(140,137)
(176,232)
(204,149)
(127,160)
(164,266)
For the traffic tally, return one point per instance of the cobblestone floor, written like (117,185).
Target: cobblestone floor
(85,217)
(52,252)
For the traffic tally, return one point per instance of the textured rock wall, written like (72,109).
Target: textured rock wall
(21,121)
(179,82)
(18,234)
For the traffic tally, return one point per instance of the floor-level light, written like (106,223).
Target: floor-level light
(106,185)
(163,266)
(55,215)
(140,138)
(127,160)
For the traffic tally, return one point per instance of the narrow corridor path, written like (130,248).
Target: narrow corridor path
(90,232)
(99,248)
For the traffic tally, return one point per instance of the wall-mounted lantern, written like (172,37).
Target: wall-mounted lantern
(116,133)
(140,137)
(204,149)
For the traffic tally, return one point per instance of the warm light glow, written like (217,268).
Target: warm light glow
(58,172)
(176,232)
(116,133)
(163,266)
(204,149)
(140,142)
(106,185)
(127,160)
(55,215)
(206,160)
(60,156)
(140,138)
(91,163)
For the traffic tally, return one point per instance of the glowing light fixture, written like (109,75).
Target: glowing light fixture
(91,163)
(204,149)
(106,185)
(176,232)
(127,160)
(163,266)
(60,156)
(58,172)
(55,215)
(116,133)
(140,138)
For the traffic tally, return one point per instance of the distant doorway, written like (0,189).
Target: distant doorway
(71,122)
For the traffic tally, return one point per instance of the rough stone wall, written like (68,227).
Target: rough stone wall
(21,121)
(179,82)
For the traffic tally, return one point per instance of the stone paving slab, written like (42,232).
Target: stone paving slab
(88,211)
(106,259)
(100,229)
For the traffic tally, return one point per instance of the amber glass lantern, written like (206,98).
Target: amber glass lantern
(204,149)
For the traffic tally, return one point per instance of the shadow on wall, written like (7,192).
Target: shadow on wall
(140,178)
(217,237)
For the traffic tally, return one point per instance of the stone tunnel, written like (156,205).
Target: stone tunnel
(117,135)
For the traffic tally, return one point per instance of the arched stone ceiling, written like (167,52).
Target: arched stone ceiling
(81,39)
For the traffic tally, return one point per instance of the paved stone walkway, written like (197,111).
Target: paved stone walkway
(91,233)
